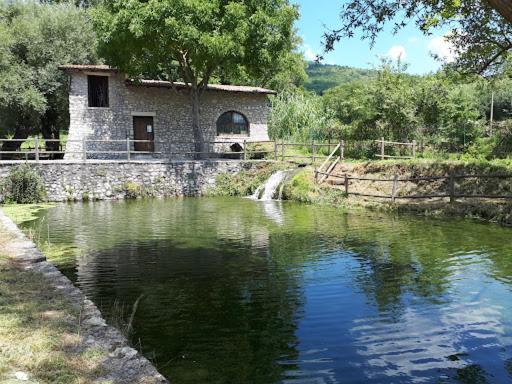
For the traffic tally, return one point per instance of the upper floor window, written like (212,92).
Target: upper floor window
(232,123)
(98,91)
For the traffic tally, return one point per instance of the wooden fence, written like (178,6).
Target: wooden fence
(412,147)
(451,193)
(35,149)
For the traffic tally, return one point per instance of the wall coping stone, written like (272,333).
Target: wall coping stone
(156,161)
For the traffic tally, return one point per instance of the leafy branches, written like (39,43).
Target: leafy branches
(481,32)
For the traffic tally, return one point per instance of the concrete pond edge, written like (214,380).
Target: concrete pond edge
(124,364)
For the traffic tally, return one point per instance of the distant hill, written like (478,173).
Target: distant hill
(325,76)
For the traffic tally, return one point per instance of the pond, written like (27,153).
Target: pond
(240,291)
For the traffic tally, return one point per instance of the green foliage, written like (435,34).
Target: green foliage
(300,188)
(244,183)
(34,40)
(259,151)
(479,32)
(381,107)
(441,110)
(322,77)
(23,185)
(287,75)
(133,190)
(195,40)
(299,116)
(497,146)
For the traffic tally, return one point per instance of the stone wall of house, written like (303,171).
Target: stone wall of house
(104,180)
(171,111)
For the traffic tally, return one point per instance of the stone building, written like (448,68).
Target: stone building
(105,105)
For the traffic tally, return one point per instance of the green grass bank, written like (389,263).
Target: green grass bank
(302,187)
(40,330)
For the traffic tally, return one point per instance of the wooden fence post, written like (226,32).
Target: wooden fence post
(128,154)
(414,148)
(452,188)
(275,150)
(84,150)
(245,150)
(382,148)
(37,149)
(313,149)
(346,184)
(395,187)
(342,149)
(282,150)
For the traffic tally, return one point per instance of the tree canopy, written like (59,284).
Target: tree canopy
(34,40)
(481,31)
(195,40)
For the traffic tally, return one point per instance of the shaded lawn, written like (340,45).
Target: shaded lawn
(40,330)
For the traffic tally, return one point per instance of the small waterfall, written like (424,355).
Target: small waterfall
(269,190)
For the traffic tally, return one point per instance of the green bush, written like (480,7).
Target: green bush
(23,185)
(133,190)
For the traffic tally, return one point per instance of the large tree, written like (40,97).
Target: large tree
(481,31)
(195,40)
(34,40)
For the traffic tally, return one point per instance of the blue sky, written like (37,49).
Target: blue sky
(414,47)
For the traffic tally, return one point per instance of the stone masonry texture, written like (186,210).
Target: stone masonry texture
(105,180)
(172,118)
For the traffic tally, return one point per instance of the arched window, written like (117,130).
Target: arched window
(232,123)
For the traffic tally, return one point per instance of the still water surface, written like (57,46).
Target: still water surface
(237,291)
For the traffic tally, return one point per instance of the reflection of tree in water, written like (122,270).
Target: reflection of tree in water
(421,257)
(207,316)
(410,270)
(223,298)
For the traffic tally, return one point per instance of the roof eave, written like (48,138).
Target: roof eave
(166,84)
(86,68)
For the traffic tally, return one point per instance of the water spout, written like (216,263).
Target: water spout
(270,189)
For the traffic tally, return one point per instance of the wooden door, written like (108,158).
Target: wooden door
(143,129)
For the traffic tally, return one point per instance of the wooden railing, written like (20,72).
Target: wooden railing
(382,145)
(451,193)
(35,149)
(329,163)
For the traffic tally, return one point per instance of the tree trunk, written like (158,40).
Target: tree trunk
(196,126)
(50,131)
(503,7)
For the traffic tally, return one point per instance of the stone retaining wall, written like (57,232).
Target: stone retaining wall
(103,180)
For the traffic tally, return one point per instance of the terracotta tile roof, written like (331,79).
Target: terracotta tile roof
(166,84)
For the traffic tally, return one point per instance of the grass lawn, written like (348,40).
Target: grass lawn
(39,330)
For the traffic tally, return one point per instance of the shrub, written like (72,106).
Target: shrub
(132,190)
(300,188)
(23,185)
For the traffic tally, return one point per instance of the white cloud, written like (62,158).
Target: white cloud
(396,52)
(413,40)
(442,48)
(308,53)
